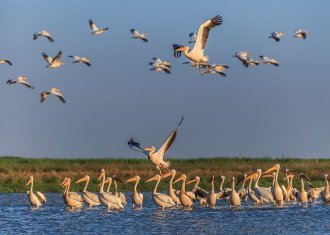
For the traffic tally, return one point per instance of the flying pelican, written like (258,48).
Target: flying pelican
(276,189)
(185,200)
(197,193)
(192,37)
(52,91)
(70,201)
(276,36)
(77,59)
(157,158)
(159,65)
(137,198)
(95,29)
(197,53)
(136,34)
(325,195)
(20,80)
(119,194)
(171,191)
(234,198)
(302,193)
(300,34)
(90,198)
(217,69)
(160,199)
(45,34)
(74,195)
(211,198)
(161,62)
(266,60)
(35,199)
(245,58)
(3,61)
(53,62)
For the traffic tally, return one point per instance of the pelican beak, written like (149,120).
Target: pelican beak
(147,149)
(267,176)
(304,176)
(192,181)
(29,182)
(253,175)
(131,180)
(181,49)
(99,185)
(81,180)
(273,168)
(63,182)
(178,179)
(151,179)
(166,175)
(117,179)
(101,174)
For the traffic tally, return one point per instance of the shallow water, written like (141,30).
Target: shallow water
(16,216)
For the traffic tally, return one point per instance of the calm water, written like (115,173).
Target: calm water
(17,216)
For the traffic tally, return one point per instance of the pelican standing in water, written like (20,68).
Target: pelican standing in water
(136,34)
(262,193)
(160,199)
(37,199)
(96,30)
(137,198)
(74,195)
(234,198)
(197,193)
(3,61)
(223,193)
(90,198)
(325,195)
(197,53)
(53,62)
(276,189)
(43,33)
(157,158)
(211,198)
(289,188)
(171,191)
(20,80)
(185,200)
(70,201)
(119,194)
(303,199)
(251,194)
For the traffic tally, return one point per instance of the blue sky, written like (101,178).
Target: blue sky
(259,111)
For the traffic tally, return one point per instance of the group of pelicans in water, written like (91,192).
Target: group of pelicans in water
(277,194)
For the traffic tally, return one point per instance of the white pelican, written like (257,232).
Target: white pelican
(251,194)
(90,198)
(325,195)
(211,198)
(77,59)
(262,193)
(159,65)
(70,201)
(45,34)
(160,199)
(119,194)
(171,191)
(192,37)
(52,91)
(276,36)
(197,193)
(157,158)
(20,80)
(276,190)
(137,198)
(111,201)
(289,188)
(234,198)
(314,193)
(3,61)
(242,192)
(74,195)
(300,34)
(185,200)
(266,60)
(35,199)
(197,53)
(217,69)
(53,62)
(245,58)
(223,193)
(302,193)
(136,34)
(95,29)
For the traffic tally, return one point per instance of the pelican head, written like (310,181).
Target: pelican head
(150,149)
(85,178)
(108,180)
(197,178)
(67,181)
(302,175)
(63,182)
(30,180)
(212,178)
(254,175)
(134,179)
(154,178)
(276,167)
(184,48)
(102,173)
(182,177)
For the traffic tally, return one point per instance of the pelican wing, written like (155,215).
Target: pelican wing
(134,145)
(201,192)
(41,197)
(92,196)
(141,196)
(203,32)
(92,25)
(47,58)
(169,141)
(58,56)
(75,196)
(164,198)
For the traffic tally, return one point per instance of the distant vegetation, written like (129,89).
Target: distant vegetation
(48,173)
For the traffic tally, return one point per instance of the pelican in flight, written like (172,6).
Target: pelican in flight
(245,58)
(52,91)
(35,199)
(276,36)
(137,198)
(192,37)
(77,59)
(171,191)
(197,53)
(3,61)
(185,200)
(43,33)
(53,62)
(157,158)
(90,198)
(266,60)
(136,34)
(70,201)
(95,29)
(300,34)
(160,199)
(159,65)
(325,195)
(276,189)
(20,80)
(217,69)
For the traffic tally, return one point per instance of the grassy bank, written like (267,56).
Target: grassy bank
(48,173)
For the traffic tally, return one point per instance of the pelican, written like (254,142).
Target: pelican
(171,191)
(52,91)
(160,199)
(35,199)
(197,53)
(300,34)
(314,193)
(3,61)
(20,80)
(223,193)
(211,198)
(70,201)
(73,195)
(192,37)
(159,65)
(245,58)
(191,63)
(302,193)
(262,193)
(185,200)
(43,33)
(325,195)
(157,158)
(90,198)
(111,201)
(77,59)
(234,198)
(161,62)
(119,194)
(217,69)
(136,34)
(95,29)
(276,189)
(266,60)
(289,188)
(276,36)
(197,193)
(53,62)
(251,194)
(137,198)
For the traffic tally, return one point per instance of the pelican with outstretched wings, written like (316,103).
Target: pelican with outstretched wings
(157,158)
(196,54)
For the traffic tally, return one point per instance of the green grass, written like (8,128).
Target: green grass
(48,173)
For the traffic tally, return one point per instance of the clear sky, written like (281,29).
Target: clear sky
(259,111)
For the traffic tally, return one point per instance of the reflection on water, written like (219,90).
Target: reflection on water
(17,216)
